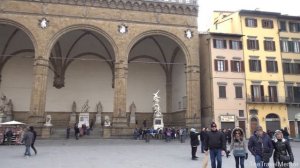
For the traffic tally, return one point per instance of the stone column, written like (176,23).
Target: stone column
(119,115)
(193,118)
(38,94)
(169,98)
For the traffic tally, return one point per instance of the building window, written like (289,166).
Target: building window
(218,43)
(293,94)
(252,44)
(272,66)
(237,66)
(267,24)
(282,26)
(294,27)
(269,45)
(235,45)
(288,68)
(273,94)
(250,22)
(284,45)
(296,47)
(257,93)
(238,92)
(221,65)
(255,65)
(222,91)
(241,113)
(291,68)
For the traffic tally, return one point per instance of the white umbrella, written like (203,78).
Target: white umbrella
(12,123)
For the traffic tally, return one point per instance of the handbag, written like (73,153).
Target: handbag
(284,158)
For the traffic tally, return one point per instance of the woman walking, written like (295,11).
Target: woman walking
(238,147)
(283,153)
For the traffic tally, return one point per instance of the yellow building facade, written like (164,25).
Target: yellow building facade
(289,32)
(265,91)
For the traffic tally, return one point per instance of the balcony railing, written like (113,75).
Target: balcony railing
(292,100)
(265,99)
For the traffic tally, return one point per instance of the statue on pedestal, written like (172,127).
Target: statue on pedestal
(6,109)
(156,106)
(99,109)
(132,113)
(73,114)
(157,117)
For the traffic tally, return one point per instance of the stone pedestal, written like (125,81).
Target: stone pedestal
(106,132)
(46,132)
(98,119)
(158,122)
(9,117)
(72,119)
(2,118)
(120,122)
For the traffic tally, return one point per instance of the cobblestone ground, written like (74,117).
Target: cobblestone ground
(112,153)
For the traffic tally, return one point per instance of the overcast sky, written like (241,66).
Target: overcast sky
(206,7)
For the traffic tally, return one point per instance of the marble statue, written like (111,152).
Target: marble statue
(156,106)
(99,109)
(107,121)
(132,113)
(48,120)
(74,107)
(157,118)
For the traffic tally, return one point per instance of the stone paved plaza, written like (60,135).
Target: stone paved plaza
(111,153)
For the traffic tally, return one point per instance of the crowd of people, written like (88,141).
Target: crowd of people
(168,134)
(11,135)
(261,145)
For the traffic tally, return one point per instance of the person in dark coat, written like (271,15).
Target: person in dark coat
(215,141)
(9,135)
(31,129)
(76,130)
(285,134)
(202,139)
(194,142)
(27,140)
(283,152)
(261,147)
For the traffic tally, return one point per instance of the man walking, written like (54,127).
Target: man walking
(261,147)
(27,140)
(194,142)
(33,140)
(215,141)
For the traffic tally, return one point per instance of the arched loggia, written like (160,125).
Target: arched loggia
(81,68)
(17,52)
(157,62)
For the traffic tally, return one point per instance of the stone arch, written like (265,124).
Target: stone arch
(162,33)
(65,30)
(23,28)
(15,65)
(272,122)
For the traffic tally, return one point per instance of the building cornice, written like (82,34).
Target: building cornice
(173,7)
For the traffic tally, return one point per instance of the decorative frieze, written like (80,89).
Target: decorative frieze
(180,7)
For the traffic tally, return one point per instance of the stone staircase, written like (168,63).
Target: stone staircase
(60,133)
